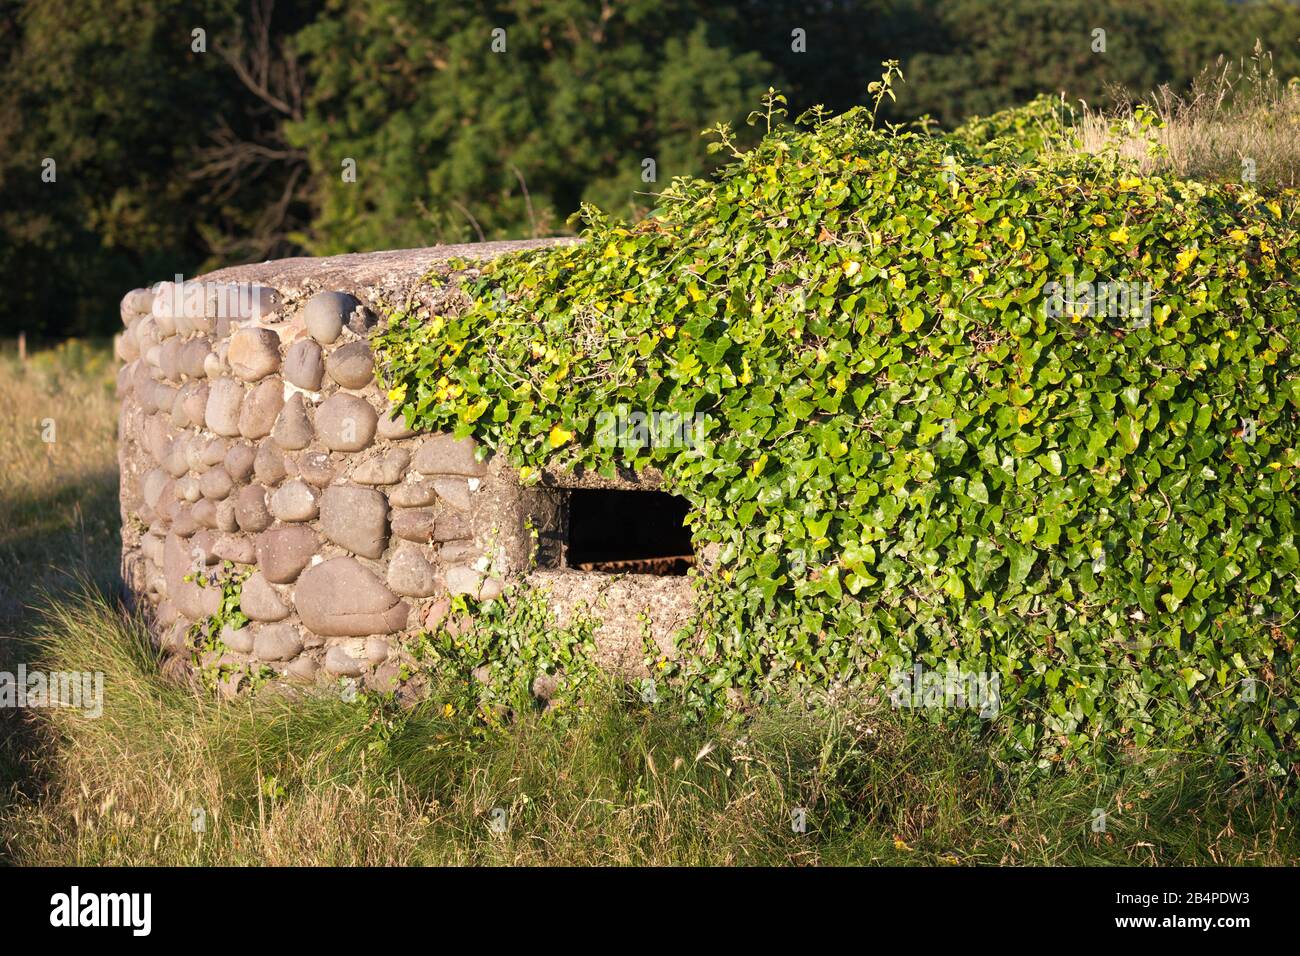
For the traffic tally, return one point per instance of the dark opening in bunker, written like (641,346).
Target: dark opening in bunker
(628,532)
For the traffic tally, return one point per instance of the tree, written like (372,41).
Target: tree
(454,140)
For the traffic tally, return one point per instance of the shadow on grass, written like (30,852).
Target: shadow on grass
(57,544)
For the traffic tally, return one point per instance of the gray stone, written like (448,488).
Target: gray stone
(184,524)
(261,406)
(259,601)
(341,598)
(205,513)
(151,546)
(276,642)
(155,480)
(355,518)
(177,462)
(376,650)
(415,525)
(194,400)
(188,488)
(412,494)
(362,321)
(213,452)
(463,580)
(392,425)
(158,438)
(452,527)
(226,519)
(205,541)
(340,663)
(180,413)
(216,483)
(193,356)
(268,466)
(282,553)
(163,398)
(386,469)
(346,422)
(326,313)
(169,503)
(240,641)
(295,501)
(239,461)
(443,455)
(254,353)
(127,349)
(225,396)
(293,429)
(234,547)
(410,574)
(169,359)
(136,302)
(437,613)
(386,678)
(315,467)
(545,686)
(302,668)
(214,366)
(351,365)
(179,561)
(459,552)
(250,509)
(423,525)
(303,365)
(454,491)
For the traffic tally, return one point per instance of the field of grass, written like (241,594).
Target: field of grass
(169,776)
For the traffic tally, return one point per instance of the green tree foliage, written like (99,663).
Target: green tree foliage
(97,88)
(978,57)
(115,94)
(453,140)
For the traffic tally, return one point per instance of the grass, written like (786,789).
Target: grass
(321,781)
(316,780)
(1234,111)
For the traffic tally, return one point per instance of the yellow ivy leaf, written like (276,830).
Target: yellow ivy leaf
(559,436)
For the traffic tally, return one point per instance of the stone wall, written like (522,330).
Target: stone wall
(253,431)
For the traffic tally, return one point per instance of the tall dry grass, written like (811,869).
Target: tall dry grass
(1237,119)
(58,474)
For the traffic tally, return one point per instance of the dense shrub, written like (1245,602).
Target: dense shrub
(909,457)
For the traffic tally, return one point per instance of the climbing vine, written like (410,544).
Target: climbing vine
(917,449)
